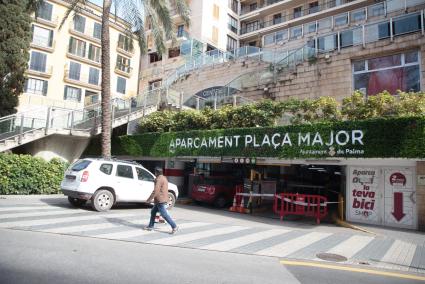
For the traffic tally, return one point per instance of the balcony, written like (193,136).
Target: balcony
(129,52)
(45,72)
(305,11)
(83,80)
(88,34)
(39,42)
(83,59)
(327,5)
(52,23)
(124,70)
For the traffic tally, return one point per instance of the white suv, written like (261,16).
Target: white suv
(107,181)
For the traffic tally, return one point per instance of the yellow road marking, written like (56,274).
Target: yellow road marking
(353,269)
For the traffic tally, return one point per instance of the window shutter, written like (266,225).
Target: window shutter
(79,95)
(65,92)
(45,85)
(50,38)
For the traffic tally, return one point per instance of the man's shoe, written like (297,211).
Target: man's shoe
(173,231)
(147,228)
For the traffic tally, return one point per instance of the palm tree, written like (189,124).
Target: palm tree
(135,13)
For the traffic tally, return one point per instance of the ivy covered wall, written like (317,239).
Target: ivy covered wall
(373,138)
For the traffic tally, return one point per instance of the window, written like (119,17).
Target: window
(72,94)
(253,26)
(233,5)
(346,38)
(121,82)
(45,11)
(123,64)
(94,53)
(390,73)
(77,47)
(298,12)
(214,36)
(252,7)
(324,24)
(79,23)
(407,24)
(144,175)
(327,43)
(174,52)
(97,30)
(106,168)
(269,39)
(91,98)
(124,171)
(233,24)
(125,43)
(296,32)
(38,61)
(231,43)
(310,28)
(216,11)
(80,165)
(180,30)
(41,36)
(74,71)
(94,76)
(313,7)
(281,36)
(154,84)
(376,10)
(154,57)
(36,86)
(277,19)
(359,15)
(341,20)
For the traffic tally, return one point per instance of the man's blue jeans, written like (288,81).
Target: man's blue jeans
(161,208)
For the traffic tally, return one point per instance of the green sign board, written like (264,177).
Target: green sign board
(377,138)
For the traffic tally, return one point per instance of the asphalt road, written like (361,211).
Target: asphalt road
(36,257)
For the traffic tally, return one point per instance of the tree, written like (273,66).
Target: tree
(134,12)
(15,37)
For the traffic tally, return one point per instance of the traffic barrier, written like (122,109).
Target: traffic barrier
(238,202)
(300,204)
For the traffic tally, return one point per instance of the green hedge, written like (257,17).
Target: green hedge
(383,138)
(24,174)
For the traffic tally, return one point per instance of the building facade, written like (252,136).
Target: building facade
(64,67)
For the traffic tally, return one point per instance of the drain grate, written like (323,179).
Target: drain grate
(331,257)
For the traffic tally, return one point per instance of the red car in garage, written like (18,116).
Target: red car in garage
(216,190)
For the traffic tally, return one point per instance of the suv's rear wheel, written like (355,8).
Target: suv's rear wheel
(76,201)
(171,200)
(102,200)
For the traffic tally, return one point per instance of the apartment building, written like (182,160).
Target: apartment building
(213,28)
(64,67)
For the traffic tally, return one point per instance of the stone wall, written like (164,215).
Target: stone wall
(329,75)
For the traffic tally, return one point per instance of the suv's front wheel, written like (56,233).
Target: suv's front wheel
(102,200)
(171,200)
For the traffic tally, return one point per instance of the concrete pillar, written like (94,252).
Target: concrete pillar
(420,196)
(174,171)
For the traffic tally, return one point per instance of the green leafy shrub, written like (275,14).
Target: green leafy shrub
(267,113)
(24,174)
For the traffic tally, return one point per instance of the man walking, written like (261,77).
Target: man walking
(160,198)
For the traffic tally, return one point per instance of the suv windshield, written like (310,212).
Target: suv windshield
(80,165)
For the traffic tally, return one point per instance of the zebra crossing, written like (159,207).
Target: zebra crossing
(266,241)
